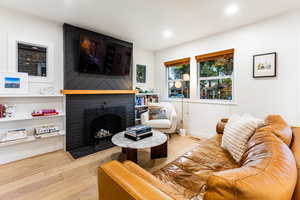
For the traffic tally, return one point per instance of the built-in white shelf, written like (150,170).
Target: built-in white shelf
(30,96)
(141,106)
(32,138)
(27,139)
(28,117)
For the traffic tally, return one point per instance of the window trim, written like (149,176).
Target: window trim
(182,61)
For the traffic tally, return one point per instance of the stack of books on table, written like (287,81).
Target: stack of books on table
(139,132)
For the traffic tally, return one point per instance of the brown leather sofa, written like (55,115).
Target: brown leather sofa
(267,171)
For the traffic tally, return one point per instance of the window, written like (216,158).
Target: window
(215,75)
(178,78)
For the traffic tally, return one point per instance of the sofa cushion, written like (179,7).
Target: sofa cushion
(268,171)
(188,174)
(159,123)
(277,125)
(295,147)
(171,191)
(237,132)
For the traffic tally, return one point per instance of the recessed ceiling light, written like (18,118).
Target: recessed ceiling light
(231,9)
(167,33)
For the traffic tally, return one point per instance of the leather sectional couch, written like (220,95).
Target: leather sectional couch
(267,171)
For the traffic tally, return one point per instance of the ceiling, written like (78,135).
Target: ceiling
(144,21)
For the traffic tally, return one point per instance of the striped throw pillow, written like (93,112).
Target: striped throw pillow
(237,132)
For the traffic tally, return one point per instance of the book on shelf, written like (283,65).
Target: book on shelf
(2,110)
(145,100)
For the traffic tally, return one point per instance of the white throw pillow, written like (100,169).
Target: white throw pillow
(237,132)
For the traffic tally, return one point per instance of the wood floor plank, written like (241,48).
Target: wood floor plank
(29,167)
(57,176)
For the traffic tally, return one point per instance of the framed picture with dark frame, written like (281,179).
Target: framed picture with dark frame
(141,74)
(264,65)
(32,59)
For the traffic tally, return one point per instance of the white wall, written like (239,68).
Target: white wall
(258,97)
(144,57)
(19,27)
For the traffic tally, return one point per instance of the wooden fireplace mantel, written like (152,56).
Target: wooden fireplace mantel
(98,92)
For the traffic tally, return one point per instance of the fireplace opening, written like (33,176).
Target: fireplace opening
(102,123)
(105,126)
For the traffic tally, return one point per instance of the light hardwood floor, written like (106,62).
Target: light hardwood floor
(57,176)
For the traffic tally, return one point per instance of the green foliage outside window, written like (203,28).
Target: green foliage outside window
(216,89)
(216,79)
(219,67)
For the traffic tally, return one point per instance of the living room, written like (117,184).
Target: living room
(164,100)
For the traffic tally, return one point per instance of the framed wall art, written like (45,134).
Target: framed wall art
(141,74)
(264,65)
(13,83)
(34,57)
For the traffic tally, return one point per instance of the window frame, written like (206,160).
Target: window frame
(232,77)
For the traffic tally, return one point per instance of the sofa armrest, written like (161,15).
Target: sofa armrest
(172,192)
(221,126)
(116,182)
(132,167)
(295,147)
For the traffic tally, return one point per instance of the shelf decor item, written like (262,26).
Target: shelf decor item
(47,91)
(10,111)
(264,65)
(2,110)
(44,112)
(46,129)
(13,83)
(138,132)
(12,135)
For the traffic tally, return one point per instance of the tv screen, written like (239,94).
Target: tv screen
(104,56)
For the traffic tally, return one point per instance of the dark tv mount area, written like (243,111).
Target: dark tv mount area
(104,56)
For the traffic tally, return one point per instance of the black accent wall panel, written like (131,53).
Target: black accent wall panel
(77,104)
(73,79)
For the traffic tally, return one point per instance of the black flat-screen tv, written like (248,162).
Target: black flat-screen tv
(104,55)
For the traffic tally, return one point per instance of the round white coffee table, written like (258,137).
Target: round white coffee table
(158,144)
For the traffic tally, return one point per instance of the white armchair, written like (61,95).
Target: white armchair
(164,125)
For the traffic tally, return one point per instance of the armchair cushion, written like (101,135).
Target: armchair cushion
(159,123)
(156,112)
(165,125)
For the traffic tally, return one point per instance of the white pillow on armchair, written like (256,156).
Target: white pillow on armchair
(168,125)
